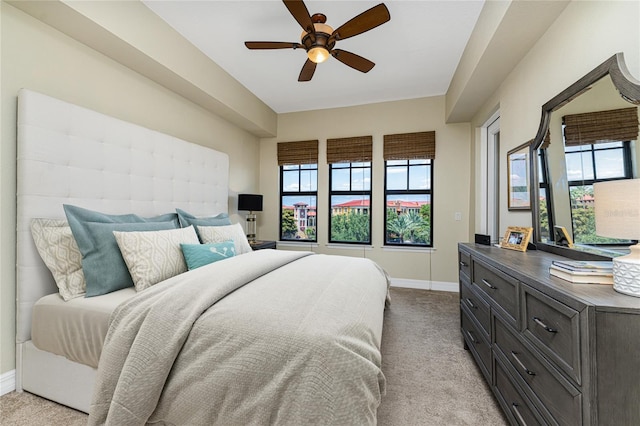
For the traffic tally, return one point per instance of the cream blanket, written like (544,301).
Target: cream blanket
(265,338)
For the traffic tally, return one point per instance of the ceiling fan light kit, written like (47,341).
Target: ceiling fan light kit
(317,44)
(318,39)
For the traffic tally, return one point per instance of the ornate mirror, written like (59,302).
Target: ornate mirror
(588,133)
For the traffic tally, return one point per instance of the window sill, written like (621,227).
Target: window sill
(297,244)
(350,246)
(409,249)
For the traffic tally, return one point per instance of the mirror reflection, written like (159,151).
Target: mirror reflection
(591,138)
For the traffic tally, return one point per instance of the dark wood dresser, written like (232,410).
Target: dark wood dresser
(553,352)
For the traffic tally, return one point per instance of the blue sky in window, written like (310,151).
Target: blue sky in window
(308,180)
(609,165)
(419,178)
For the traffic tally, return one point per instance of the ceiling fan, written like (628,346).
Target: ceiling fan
(318,39)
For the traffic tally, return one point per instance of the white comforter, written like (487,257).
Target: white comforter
(268,337)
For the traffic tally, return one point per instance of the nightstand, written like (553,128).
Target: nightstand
(259,245)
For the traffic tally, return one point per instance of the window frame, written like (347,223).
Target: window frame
(350,192)
(283,193)
(627,174)
(543,183)
(409,191)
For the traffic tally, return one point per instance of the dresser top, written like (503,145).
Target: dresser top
(532,268)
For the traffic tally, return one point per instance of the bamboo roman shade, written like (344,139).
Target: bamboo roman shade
(349,150)
(601,126)
(410,146)
(301,152)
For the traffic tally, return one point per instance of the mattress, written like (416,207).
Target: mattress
(75,329)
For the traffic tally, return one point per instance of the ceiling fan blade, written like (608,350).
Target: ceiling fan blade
(271,45)
(307,71)
(366,21)
(300,13)
(351,59)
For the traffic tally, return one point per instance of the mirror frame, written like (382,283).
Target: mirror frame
(629,89)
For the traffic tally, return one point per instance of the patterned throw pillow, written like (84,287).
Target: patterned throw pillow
(197,255)
(154,256)
(219,234)
(59,251)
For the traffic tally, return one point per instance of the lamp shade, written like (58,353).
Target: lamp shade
(250,202)
(617,208)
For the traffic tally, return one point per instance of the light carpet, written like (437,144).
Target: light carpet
(431,379)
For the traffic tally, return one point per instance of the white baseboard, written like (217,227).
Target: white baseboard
(7,382)
(425,285)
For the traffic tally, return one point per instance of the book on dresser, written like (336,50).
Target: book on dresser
(578,276)
(585,265)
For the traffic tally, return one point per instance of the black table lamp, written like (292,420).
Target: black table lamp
(251,203)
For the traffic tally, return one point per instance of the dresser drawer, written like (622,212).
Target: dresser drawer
(464,263)
(559,397)
(477,344)
(514,403)
(478,308)
(499,286)
(554,328)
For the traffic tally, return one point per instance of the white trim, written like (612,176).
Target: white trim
(7,382)
(425,285)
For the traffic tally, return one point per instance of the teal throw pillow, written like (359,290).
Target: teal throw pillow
(102,264)
(197,255)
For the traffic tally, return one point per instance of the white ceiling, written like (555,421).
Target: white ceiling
(416,53)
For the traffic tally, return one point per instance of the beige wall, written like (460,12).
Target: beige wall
(450,186)
(584,35)
(37,57)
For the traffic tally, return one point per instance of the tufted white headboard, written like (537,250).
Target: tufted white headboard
(67,154)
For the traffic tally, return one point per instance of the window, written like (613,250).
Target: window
(408,180)
(298,190)
(408,202)
(586,165)
(349,162)
(350,201)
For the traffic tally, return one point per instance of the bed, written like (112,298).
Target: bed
(264,337)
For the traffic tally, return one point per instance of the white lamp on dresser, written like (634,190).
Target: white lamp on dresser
(617,211)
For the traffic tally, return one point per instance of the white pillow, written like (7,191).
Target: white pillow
(154,256)
(59,251)
(219,234)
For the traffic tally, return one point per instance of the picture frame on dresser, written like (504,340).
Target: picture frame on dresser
(516,238)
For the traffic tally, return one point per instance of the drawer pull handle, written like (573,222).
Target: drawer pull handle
(518,415)
(470,303)
(543,325)
(488,284)
(514,355)
(463,264)
(471,336)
